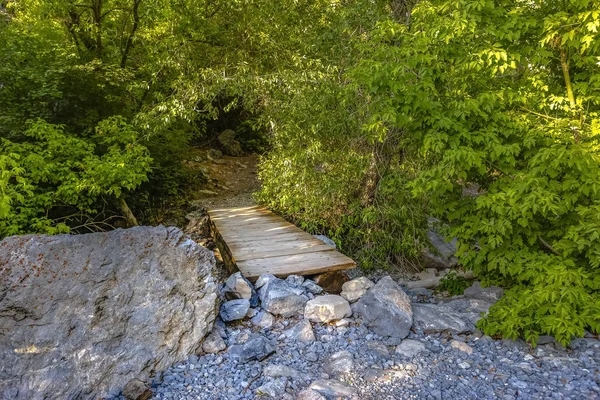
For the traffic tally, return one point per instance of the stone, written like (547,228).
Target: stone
(263,319)
(378,349)
(461,346)
(274,388)
(410,348)
(234,309)
(327,308)
(354,289)
(280,297)
(332,388)
(326,240)
(214,153)
(263,280)
(421,291)
(302,332)
(309,394)
(386,309)
(136,390)
(83,315)
(230,146)
(331,281)
(283,371)
(256,348)
(458,316)
(238,287)
(213,343)
(490,294)
(440,253)
(312,287)
(295,279)
(339,363)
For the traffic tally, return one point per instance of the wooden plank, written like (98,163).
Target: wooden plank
(298,264)
(243,252)
(224,228)
(248,220)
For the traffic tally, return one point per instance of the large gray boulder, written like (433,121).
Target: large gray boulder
(81,316)
(386,309)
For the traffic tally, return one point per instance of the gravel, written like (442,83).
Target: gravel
(493,370)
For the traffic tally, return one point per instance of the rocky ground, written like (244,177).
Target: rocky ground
(299,344)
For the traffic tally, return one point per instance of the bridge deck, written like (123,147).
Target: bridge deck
(258,241)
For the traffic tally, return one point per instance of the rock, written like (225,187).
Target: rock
(283,371)
(410,348)
(327,308)
(274,388)
(214,153)
(461,346)
(263,319)
(441,253)
(309,394)
(230,146)
(326,240)
(490,294)
(378,349)
(427,273)
(280,297)
(332,388)
(234,309)
(251,313)
(421,291)
(238,287)
(295,280)
(302,332)
(386,309)
(339,363)
(312,287)
(264,279)
(354,289)
(457,316)
(213,343)
(545,339)
(82,315)
(332,281)
(136,390)
(257,348)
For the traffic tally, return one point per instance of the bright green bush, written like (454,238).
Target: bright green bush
(49,170)
(501,99)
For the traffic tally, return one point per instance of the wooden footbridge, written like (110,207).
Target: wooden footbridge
(257,241)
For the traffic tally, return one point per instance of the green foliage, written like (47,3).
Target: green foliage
(453,284)
(49,169)
(500,98)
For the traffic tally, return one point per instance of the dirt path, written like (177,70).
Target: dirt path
(231,180)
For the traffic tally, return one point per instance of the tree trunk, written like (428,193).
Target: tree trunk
(131,220)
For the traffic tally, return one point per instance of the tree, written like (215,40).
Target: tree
(500,98)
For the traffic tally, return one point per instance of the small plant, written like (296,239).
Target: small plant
(453,284)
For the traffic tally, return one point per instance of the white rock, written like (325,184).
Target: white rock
(354,289)
(327,308)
